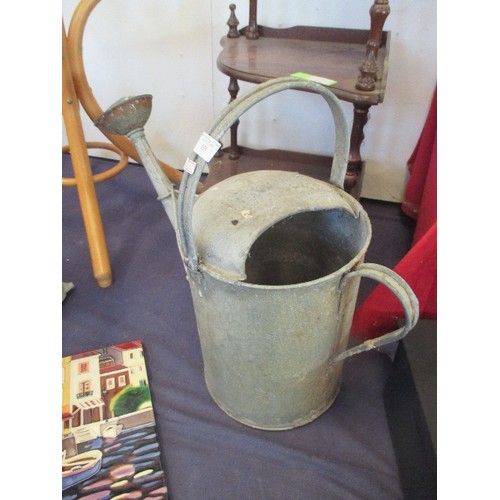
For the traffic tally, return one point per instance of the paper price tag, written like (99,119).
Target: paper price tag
(206,147)
(189,166)
(314,78)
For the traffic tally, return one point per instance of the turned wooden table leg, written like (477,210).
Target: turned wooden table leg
(252,31)
(234,152)
(357,136)
(369,69)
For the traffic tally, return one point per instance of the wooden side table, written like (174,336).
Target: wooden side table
(356,59)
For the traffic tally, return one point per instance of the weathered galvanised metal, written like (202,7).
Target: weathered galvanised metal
(274,261)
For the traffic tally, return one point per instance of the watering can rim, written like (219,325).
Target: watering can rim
(232,215)
(347,267)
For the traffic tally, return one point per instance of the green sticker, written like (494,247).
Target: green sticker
(313,78)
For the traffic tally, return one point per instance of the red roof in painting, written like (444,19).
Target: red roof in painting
(133,344)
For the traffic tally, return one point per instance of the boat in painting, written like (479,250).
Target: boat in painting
(80,467)
(111,430)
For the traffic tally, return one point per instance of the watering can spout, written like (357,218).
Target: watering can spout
(128,117)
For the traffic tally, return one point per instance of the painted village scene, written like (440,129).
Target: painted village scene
(110,448)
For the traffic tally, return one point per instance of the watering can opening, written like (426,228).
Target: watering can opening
(277,228)
(304,247)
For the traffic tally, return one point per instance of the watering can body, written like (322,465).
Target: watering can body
(268,354)
(273,307)
(274,261)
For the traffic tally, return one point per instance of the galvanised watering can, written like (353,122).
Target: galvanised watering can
(274,261)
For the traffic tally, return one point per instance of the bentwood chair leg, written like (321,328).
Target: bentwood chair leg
(83,175)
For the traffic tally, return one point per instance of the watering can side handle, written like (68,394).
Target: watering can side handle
(403,292)
(223,122)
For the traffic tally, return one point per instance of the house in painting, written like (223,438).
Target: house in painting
(130,354)
(83,394)
(92,380)
(114,378)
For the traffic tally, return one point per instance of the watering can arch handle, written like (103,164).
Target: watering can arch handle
(221,125)
(403,292)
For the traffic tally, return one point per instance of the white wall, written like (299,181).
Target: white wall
(169,49)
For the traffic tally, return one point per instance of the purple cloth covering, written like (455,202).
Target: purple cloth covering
(345,454)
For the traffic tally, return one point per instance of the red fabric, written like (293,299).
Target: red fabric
(381,310)
(421,192)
